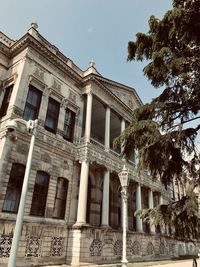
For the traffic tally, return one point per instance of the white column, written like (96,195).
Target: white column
(107,129)
(151,205)
(83,189)
(105,200)
(88,117)
(139,226)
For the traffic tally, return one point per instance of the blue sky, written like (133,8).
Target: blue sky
(89,29)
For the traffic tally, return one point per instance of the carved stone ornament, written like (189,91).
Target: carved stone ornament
(150,249)
(57,246)
(136,248)
(65,165)
(96,248)
(72,96)
(22,148)
(64,103)
(5,245)
(39,73)
(33,246)
(46,158)
(118,248)
(47,91)
(56,85)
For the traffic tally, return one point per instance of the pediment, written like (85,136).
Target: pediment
(127,95)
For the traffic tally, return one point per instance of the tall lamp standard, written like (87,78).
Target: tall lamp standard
(124,177)
(31,128)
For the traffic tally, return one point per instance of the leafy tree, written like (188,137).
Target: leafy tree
(164,131)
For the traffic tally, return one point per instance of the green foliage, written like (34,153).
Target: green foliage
(166,128)
(181,217)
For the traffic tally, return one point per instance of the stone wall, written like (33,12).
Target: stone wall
(40,244)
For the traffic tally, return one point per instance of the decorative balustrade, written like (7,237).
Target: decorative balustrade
(94,151)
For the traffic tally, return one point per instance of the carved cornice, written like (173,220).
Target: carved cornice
(117,104)
(117,85)
(29,41)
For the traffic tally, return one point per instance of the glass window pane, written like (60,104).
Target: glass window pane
(32,106)
(13,193)
(60,199)
(40,194)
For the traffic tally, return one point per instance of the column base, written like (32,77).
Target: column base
(104,226)
(124,263)
(81,224)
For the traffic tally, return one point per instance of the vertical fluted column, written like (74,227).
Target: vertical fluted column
(151,205)
(88,117)
(107,129)
(139,226)
(83,189)
(105,199)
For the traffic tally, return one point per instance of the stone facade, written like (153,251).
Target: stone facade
(73,205)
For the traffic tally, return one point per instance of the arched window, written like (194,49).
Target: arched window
(13,193)
(60,199)
(40,194)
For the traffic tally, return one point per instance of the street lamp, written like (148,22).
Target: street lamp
(31,128)
(124,177)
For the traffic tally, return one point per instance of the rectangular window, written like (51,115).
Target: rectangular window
(69,123)
(32,106)
(6,100)
(60,199)
(13,192)
(52,115)
(40,194)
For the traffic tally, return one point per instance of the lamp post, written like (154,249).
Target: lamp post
(31,128)
(124,177)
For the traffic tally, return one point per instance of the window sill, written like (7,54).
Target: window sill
(4,216)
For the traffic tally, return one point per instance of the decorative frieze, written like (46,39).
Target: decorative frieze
(162,249)
(57,246)
(46,158)
(150,249)
(96,248)
(5,245)
(117,249)
(33,246)
(39,73)
(136,249)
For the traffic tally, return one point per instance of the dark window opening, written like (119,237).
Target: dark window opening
(40,194)
(13,193)
(60,199)
(88,211)
(6,100)
(69,123)
(51,121)
(32,106)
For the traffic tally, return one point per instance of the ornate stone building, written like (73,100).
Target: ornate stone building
(73,205)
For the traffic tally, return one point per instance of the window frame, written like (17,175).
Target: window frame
(40,192)
(58,198)
(69,125)
(6,100)
(14,188)
(30,106)
(53,116)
